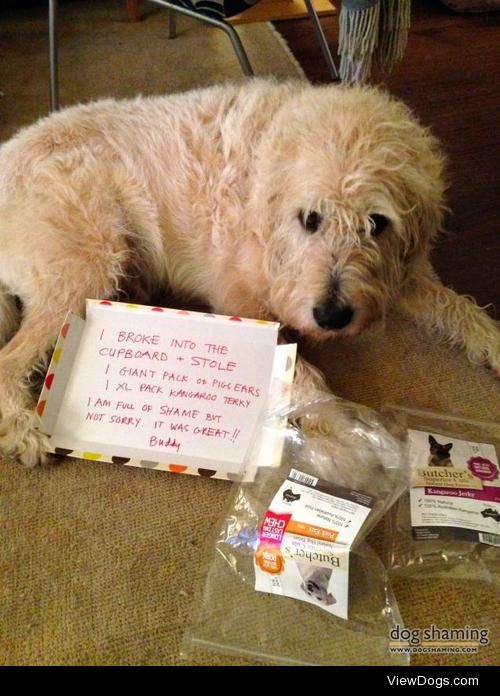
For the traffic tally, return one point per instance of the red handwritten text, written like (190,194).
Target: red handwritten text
(170,442)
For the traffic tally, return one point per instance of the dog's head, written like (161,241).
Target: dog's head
(439,451)
(346,201)
(319,593)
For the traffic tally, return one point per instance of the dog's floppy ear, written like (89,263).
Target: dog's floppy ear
(425,185)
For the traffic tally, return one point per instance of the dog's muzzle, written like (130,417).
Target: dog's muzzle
(332,315)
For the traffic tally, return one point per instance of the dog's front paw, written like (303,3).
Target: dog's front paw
(327,417)
(21,440)
(489,352)
(494,363)
(315,425)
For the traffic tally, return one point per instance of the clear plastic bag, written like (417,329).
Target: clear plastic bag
(458,558)
(339,442)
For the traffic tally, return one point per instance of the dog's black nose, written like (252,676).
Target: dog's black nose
(333,316)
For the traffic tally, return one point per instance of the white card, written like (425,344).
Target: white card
(158,385)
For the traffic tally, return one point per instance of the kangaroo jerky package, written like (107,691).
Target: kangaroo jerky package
(290,578)
(448,524)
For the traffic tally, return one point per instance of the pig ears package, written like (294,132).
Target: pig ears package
(290,578)
(448,524)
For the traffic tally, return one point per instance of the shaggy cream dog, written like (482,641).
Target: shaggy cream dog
(316,206)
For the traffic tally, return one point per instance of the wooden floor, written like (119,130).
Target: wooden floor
(451,77)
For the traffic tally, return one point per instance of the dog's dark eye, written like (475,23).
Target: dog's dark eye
(311,220)
(378,223)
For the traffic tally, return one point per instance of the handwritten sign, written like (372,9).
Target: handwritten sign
(166,385)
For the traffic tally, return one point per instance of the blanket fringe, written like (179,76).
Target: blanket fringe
(373,29)
(358,37)
(393,33)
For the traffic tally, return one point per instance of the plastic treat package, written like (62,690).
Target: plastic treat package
(344,463)
(449,525)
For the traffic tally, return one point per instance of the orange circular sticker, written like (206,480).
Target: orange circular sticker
(270,559)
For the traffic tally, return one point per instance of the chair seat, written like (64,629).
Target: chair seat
(216,9)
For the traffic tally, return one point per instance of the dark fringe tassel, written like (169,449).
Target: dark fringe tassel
(379,31)
(393,32)
(358,39)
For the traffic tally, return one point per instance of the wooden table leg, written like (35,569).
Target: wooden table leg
(134,14)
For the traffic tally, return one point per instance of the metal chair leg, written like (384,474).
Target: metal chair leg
(241,54)
(53,58)
(227,28)
(172,24)
(220,24)
(320,35)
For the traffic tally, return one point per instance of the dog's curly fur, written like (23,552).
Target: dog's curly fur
(260,200)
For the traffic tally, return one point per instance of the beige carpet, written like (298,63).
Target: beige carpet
(98,563)
(102,54)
